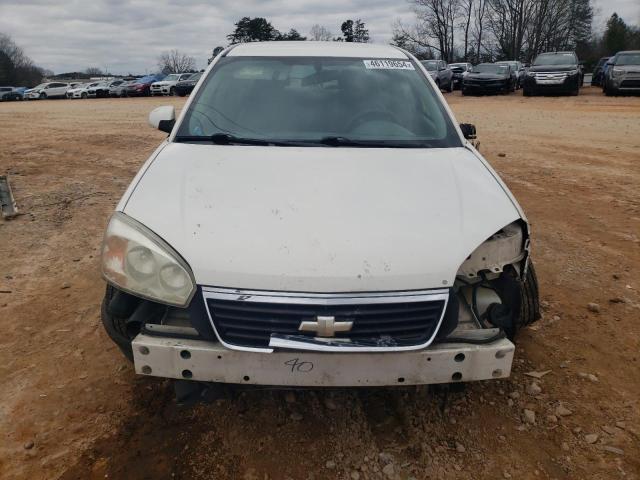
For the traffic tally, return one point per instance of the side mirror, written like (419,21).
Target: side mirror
(163,118)
(468,131)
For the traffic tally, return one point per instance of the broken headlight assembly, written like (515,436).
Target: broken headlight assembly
(489,283)
(136,260)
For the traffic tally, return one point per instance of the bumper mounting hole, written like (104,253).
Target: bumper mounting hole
(187,374)
(186,354)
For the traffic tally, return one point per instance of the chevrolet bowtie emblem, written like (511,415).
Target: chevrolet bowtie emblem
(325,326)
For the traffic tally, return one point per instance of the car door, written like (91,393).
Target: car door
(58,89)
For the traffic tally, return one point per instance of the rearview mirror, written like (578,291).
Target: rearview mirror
(163,118)
(468,131)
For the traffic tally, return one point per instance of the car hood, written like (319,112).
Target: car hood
(553,68)
(320,219)
(162,83)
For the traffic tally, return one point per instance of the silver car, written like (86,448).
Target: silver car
(623,73)
(441,73)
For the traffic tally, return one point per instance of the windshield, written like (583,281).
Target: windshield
(490,68)
(174,77)
(42,85)
(195,77)
(628,59)
(513,65)
(430,65)
(555,59)
(310,99)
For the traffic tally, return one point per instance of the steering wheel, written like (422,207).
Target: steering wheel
(370,116)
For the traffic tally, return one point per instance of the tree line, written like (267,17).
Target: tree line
(259,29)
(16,68)
(488,30)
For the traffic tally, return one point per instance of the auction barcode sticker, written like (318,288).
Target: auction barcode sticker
(380,64)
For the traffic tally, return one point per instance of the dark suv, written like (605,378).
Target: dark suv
(554,72)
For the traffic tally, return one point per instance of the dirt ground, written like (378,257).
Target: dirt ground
(72,408)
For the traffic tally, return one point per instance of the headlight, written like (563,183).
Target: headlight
(531,74)
(138,261)
(617,71)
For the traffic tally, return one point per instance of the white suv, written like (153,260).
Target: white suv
(47,90)
(316,217)
(166,86)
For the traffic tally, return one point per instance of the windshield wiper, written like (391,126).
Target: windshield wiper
(228,139)
(347,142)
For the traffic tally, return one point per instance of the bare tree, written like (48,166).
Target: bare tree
(319,33)
(435,27)
(466,9)
(479,15)
(94,72)
(175,62)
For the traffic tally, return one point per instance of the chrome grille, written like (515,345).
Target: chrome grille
(249,319)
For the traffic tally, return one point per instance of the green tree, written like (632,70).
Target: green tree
(292,35)
(354,31)
(616,34)
(253,30)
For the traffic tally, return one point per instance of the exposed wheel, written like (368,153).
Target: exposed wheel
(43,96)
(83,95)
(463,91)
(172,91)
(450,87)
(119,329)
(527,92)
(529,300)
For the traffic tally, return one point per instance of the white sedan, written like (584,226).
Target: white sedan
(317,218)
(81,90)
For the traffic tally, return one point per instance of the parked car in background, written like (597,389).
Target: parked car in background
(488,78)
(167,85)
(517,70)
(102,89)
(623,74)
(459,71)
(47,90)
(142,86)
(80,90)
(598,72)
(185,87)
(429,283)
(120,90)
(440,72)
(554,72)
(8,94)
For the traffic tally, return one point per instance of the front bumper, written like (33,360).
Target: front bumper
(160,90)
(494,87)
(552,82)
(212,362)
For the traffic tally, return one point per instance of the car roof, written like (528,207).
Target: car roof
(316,49)
(628,51)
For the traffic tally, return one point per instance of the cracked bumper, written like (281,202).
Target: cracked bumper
(211,362)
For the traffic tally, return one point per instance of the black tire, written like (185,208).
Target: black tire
(527,92)
(121,332)
(84,95)
(438,84)
(43,96)
(172,91)
(463,92)
(610,92)
(450,87)
(529,300)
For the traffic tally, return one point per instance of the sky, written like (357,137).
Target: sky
(126,36)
